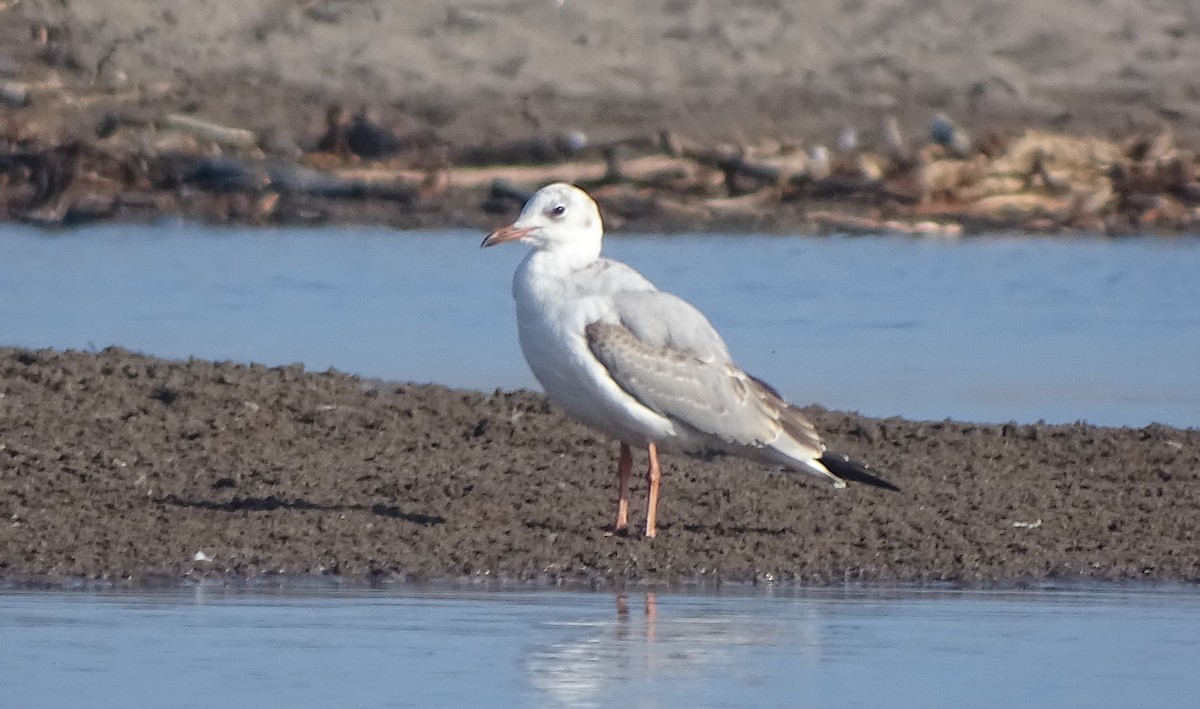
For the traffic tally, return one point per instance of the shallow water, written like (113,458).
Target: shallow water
(1111,647)
(989,329)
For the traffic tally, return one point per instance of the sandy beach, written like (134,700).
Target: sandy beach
(716,69)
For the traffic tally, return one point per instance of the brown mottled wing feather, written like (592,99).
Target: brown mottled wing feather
(723,408)
(720,404)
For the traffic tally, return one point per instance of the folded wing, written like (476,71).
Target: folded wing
(664,353)
(723,408)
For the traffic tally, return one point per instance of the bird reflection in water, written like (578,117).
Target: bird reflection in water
(623,615)
(660,653)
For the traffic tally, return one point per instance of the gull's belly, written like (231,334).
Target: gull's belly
(553,343)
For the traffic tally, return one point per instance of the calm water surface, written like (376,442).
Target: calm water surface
(990,329)
(213,648)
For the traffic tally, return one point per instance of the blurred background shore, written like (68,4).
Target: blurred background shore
(536,81)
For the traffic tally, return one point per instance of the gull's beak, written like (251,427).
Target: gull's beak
(506,234)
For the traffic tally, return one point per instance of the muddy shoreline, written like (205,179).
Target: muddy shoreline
(121,468)
(679,116)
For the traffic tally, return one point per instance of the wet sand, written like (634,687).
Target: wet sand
(124,468)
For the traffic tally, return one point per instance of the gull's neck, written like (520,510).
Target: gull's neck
(562,259)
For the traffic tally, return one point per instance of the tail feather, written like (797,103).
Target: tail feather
(800,443)
(846,469)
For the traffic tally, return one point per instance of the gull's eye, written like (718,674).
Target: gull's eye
(558,210)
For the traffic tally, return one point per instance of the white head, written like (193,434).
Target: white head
(559,218)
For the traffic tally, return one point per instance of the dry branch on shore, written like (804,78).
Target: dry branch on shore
(1035,182)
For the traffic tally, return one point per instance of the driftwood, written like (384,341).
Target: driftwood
(591,172)
(223,135)
(54,189)
(1037,181)
(853,224)
(733,162)
(229,174)
(531,151)
(744,204)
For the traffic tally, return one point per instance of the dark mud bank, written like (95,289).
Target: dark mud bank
(120,467)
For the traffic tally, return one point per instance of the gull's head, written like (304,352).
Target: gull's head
(559,217)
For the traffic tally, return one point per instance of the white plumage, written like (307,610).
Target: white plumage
(643,366)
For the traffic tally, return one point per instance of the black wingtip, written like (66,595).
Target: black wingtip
(846,469)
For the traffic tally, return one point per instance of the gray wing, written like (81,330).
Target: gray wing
(656,317)
(679,367)
(663,320)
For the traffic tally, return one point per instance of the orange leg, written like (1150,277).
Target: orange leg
(624,471)
(651,615)
(653,475)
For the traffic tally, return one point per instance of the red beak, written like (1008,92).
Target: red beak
(505,235)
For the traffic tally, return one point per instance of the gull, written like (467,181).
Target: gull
(641,365)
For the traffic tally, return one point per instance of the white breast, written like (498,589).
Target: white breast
(552,313)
